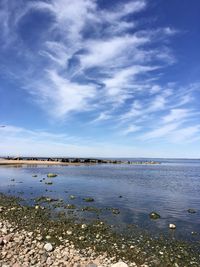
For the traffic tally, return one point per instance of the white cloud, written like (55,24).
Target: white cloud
(91,56)
(131,129)
(186,134)
(123,79)
(92,59)
(102,117)
(176,115)
(19,141)
(163,131)
(65,96)
(107,52)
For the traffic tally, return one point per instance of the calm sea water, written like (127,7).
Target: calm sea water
(170,189)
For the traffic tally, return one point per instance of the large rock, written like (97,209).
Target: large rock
(51,175)
(119,264)
(172,226)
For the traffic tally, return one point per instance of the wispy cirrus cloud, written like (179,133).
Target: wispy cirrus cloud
(70,49)
(76,57)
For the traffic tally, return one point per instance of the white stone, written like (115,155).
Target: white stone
(172,226)
(69,232)
(48,247)
(119,264)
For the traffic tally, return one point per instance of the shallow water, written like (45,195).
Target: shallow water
(170,189)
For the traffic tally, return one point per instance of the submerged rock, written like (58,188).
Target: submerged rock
(70,206)
(115,211)
(154,215)
(194,233)
(88,199)
(48,183)
(191,211)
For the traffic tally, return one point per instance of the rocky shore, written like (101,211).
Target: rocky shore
(31,236)
(23,249)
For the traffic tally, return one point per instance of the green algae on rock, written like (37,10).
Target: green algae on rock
(51,175)
(154,215)
(70,206)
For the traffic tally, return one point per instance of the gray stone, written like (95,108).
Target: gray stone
(119,264)
(91,264)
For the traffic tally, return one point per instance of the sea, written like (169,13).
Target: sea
(169,188)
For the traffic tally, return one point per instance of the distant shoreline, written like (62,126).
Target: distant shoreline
(39,162)
(76,162)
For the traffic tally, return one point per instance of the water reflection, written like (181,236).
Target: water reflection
(170,189)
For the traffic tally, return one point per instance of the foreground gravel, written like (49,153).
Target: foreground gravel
(21,249)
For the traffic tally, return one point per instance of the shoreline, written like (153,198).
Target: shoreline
(41,162)
(82,243)
(79,163)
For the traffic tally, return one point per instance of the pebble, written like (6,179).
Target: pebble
(119,264)
(91,265)
(48,247)
(69,232)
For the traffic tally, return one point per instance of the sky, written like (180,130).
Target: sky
(98,78)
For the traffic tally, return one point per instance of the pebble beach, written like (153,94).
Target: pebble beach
(29,237)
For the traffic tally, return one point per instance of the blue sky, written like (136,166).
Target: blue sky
(100,78)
